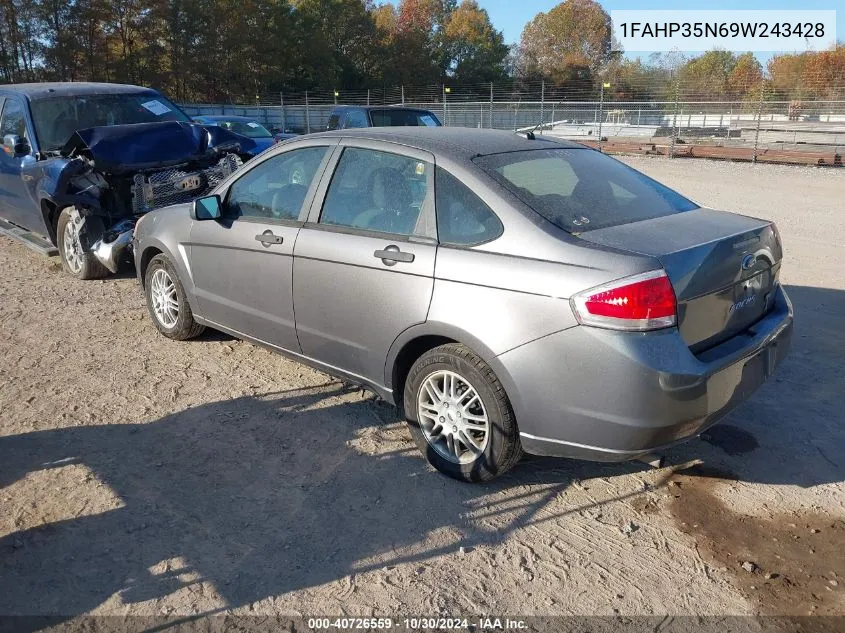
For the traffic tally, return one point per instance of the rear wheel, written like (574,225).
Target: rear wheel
(166,301)
(460,416)
(75,261)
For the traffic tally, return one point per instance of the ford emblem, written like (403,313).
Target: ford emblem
(748,261)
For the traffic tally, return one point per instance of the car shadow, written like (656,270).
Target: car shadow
(126,270)
(259,496)
(792,430)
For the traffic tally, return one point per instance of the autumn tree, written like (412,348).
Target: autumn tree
(235,50)
(634,80)
(745,77)
(706,76)
(809,75)
(342,39)
(785,72)
(19,41)
(418,53)
(476,50)
(570,42)
(823,74)
(428,41)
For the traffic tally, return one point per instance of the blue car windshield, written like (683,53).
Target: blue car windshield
(57,118)
(252,129)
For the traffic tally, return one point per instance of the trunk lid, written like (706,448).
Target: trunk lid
(723,267)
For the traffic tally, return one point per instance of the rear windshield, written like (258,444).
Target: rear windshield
(580,189)
(395,117)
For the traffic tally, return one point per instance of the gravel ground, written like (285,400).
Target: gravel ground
(144,476)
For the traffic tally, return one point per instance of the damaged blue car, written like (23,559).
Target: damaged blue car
(242,125)
(81,162)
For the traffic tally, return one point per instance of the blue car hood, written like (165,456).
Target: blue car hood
(260,145)
(120,149)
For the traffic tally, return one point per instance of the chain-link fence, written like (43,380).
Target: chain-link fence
(674,113)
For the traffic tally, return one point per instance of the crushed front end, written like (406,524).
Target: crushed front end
(114,175)
(175,185)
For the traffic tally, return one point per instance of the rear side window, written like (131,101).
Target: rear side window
(463,219)
(378,191)
(334,122)
(581,190)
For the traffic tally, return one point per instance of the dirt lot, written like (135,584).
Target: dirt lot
(144,476)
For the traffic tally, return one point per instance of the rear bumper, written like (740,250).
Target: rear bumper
(611,396)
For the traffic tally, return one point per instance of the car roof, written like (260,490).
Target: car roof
(460,143)
(224,117)
(379,107)
(72,88)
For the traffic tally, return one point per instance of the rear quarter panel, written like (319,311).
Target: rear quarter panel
(504,301)
(515,289)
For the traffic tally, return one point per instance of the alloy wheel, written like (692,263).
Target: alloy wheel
(452,417)
(70,243)
(164,299)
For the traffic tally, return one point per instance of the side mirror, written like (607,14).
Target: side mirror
(15,146)
(207,208)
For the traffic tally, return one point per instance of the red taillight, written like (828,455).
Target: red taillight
(641,302)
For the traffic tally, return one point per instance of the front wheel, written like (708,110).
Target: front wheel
(75,261)
(460,416)
(167,303)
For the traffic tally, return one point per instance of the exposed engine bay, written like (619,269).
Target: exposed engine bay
(114,174)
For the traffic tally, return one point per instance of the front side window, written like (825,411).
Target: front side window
(463,219)
(581,190)
(13,120)
(276,188)
(378,191)
(55,119)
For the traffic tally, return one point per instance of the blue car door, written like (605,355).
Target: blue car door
(16,205)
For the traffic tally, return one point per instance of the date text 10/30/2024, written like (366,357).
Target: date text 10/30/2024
(414,624)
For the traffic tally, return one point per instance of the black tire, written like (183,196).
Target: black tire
(83,265)
(503,448)
(184,327)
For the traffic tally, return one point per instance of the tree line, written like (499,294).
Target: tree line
(233,50)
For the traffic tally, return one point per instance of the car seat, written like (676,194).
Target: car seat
(287,201)
(392,198)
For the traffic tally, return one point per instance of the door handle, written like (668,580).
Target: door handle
(391,254)
(268,238)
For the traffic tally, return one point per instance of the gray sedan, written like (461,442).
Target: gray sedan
(507,293)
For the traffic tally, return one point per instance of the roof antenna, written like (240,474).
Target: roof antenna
(529,134)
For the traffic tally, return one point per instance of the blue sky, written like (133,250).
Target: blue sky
(510,16)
